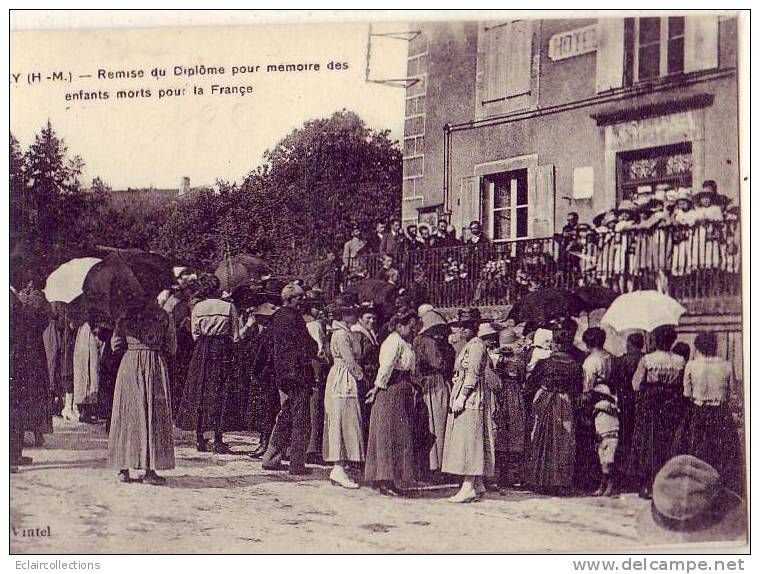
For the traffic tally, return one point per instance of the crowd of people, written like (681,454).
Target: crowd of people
(659,238)
(385,396)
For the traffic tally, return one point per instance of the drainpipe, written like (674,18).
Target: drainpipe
(446,169)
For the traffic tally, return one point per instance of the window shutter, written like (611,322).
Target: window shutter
(541,201)
(496,38)
(701,43)
(519,55)
(469,206)
(610,53)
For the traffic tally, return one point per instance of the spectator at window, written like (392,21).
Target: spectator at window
(477,236)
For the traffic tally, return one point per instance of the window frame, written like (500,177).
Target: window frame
(489,184)
(632,76)
(622,157)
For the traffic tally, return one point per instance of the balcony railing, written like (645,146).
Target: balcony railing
(701,261)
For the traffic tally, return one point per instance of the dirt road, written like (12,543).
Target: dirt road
(227,503)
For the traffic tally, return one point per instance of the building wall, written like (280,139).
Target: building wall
(447,72)
(566,139)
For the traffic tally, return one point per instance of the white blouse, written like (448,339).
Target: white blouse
(395,354)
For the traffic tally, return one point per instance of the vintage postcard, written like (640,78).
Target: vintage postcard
(402,283)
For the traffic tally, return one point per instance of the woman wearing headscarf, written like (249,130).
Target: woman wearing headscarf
(435,365)
(468,449)
(559,379)
(141,419)
(658,384)
(343,439)
(708,430)
(390,448)
(211,379)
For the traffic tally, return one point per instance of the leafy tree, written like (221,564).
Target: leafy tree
(302,201)
(46,198)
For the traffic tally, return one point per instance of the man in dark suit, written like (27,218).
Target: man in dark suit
(292,350)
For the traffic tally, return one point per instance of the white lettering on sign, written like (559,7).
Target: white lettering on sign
(573,43)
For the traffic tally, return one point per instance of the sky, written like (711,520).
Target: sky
(146,141)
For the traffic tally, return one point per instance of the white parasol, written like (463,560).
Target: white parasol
(65,283)
(644,310)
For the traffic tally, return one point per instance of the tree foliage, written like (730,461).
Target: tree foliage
(311,188)
(52,217)
(315,184)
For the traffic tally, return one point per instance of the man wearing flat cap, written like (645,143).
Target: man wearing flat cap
(292,350)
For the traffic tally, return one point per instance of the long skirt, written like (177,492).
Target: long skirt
(436,392)
(141,420)
(659,412)
(509,418)
(179,364)
(709,433)
(588,469)
(211,390)
(343,438)
(317,411)
(391,447)
(552,448)
(469,449)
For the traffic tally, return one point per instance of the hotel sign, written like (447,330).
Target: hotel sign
(573,43)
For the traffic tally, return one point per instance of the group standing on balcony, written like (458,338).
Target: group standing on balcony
(672,240)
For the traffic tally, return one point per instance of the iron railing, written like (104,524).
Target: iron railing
(687,262)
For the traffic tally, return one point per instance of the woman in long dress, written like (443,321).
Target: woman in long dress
(141,419)
(208,395)
(509,410)
(559,379)
(658,383)
(343,438)
(435,365)
(468,450)
(31,374)
(709,431)
(390,448)
(88,350)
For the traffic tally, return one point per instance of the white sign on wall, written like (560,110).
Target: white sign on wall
(583,182)
(573,43)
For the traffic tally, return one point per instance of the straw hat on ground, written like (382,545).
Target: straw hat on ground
(689,504)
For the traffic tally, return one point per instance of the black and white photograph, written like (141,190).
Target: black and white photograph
(379,282)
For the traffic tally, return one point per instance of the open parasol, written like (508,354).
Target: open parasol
(126,277)
(645,310)
(241,269)
(544,305)
(596,296)
(65,283)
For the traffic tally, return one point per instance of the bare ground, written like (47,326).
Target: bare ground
(228,504)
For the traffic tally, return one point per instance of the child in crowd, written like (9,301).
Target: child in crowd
(607,426)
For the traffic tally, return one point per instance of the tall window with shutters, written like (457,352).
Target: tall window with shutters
(505,203)
(654,47)
(507,65)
